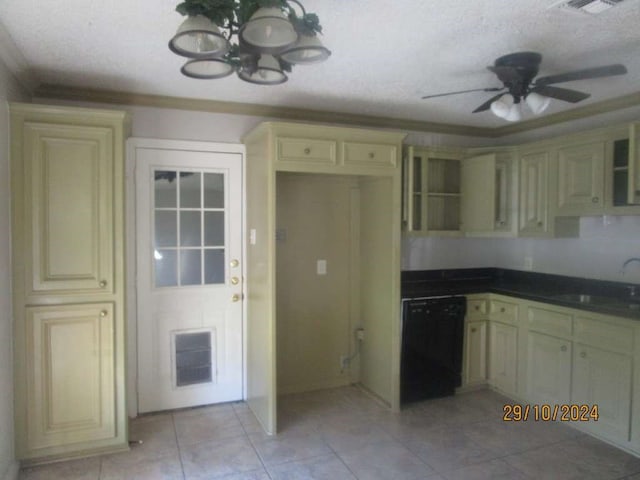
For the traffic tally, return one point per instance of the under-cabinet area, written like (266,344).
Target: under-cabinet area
(539,189)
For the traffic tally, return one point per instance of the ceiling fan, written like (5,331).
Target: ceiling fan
(517,72)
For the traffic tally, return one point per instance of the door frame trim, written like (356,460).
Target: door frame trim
(134,143)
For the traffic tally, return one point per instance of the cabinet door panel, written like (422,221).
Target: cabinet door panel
(548,369)
(68,198)
(476,353)
(533,193)
(503,359)
(478,177)
(604,379)
(70,376)
(580,178)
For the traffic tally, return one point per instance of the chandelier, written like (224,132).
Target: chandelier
(259,40)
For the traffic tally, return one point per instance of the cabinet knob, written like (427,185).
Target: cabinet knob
(372,155)
(477,307)
(595,199)
(563,348)
(474,330)
(104,313)
(307,151)
(540,224)
(103,283)
(502,310)
(583,354)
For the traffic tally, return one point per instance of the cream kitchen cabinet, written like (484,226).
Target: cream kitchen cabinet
(503,358)
(548,369)
(432,191)
(475,342)
(68,295)
(487,203)
(580,177)
(533,209)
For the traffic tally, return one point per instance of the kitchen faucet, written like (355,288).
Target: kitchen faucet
(627,262)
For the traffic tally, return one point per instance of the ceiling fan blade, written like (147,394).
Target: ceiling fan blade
(495,89)
(564,94)
(587,73)
(487,105)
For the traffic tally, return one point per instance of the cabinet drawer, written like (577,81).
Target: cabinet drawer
(607,336)
(503,311)
(476,308)
(369,154)
(549,322)
(309,151)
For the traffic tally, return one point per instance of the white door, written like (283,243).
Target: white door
(189,274)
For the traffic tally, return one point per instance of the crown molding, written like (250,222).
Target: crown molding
(61,92)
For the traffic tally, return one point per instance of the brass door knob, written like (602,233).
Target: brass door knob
(234,263)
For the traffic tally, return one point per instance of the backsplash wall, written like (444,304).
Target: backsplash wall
(603,246)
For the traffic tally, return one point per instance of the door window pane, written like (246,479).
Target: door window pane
(166,268)
(166,229)
(190,229)
(190,267)
(213,190)
(214,229)
(165,188)
(190,190)
(214,266)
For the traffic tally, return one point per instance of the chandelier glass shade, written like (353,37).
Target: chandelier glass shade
(259,40)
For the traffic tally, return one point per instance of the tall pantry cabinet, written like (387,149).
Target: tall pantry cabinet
(68,272)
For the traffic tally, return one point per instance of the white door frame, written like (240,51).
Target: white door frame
(133,143)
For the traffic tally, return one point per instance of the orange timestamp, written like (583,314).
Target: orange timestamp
(550,413)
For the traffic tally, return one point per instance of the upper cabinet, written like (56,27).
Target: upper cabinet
(487,204)
(539,189)
(432,183)
(580,177)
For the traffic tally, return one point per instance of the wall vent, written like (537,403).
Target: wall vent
(591,7)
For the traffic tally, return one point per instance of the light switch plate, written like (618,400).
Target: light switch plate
(321,267)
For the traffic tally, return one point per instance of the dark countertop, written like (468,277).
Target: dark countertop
(600,296)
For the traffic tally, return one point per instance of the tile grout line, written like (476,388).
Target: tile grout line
(246,434)
(175,434)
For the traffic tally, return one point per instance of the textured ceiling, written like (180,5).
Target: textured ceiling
(386,55)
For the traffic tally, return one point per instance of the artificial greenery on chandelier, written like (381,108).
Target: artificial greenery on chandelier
(270,36)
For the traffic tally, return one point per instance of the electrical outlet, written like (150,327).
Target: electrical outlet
(360,334)
(344,362)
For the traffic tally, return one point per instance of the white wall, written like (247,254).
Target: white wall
(603,246)
(9,91)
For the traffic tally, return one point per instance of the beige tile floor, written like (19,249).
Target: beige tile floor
(343,434)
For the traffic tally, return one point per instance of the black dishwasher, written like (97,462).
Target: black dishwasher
(432,336)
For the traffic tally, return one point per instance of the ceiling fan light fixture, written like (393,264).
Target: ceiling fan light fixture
(269,29)
(199,37)
(307,50)
(502,107)
(515,113)
(537,103)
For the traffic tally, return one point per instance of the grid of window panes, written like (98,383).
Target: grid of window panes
(189,228)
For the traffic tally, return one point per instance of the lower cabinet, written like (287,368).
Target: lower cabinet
(503,345)
(475,367)
(70,377)
(548,369)
(603,378)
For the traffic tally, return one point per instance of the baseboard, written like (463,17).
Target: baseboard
(310,387)
(12,472)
